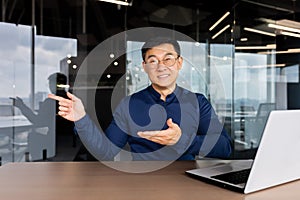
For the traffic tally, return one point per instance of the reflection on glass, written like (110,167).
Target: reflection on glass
(255,83)
(15,75)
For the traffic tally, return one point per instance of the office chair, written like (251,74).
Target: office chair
(255,127)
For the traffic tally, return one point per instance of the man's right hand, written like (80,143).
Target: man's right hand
(71,109)
(18,102)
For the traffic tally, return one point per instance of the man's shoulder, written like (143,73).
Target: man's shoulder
(140,93)
(135,96)
(184,91)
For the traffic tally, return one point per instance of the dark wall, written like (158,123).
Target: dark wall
(293,89)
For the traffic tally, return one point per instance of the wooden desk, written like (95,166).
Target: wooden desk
(93,180)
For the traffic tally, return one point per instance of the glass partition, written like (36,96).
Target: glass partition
(24,136)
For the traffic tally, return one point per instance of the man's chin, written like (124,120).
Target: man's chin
(163,86)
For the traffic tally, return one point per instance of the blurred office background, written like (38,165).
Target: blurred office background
(245,60)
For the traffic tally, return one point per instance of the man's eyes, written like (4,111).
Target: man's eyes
(153,61)
(168,58)
(156,60)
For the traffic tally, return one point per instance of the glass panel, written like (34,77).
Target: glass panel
(15,77)
(21,132)
(136,78)
(254,83)
(52,56)
(221,64)
(260,75)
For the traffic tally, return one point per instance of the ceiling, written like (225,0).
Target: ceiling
(100,20)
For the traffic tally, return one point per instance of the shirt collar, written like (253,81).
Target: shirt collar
(156,95)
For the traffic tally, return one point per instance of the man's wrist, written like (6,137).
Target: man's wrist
(81,116)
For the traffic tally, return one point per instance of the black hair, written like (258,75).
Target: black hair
(153,42)
(58,78)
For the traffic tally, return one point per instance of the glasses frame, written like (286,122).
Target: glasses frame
(154,66)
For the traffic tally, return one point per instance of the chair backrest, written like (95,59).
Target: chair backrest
(245,108)
(254,128)
(263,111)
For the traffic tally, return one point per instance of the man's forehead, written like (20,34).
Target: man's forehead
(161,49)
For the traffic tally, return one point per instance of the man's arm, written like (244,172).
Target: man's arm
(212,140)
(97,142)
(94,139)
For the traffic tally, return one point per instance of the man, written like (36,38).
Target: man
(161,122)
(48,128)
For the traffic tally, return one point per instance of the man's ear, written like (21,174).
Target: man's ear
(180,62)
(144,66)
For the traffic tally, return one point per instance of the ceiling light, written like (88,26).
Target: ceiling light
(221,19)
(269,46)
(119,2)
(297,50)
(269,6)
(221,31)
(290,34)
(277,65)
(268,65)
(284,28)
(62,86)
(259,31)
(287,22)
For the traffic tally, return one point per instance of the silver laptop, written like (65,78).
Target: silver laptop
(277,159)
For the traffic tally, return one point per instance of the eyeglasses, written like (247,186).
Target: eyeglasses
(168,61)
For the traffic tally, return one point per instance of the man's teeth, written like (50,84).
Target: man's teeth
(163,76)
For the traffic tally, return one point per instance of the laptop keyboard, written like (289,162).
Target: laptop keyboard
(236,177)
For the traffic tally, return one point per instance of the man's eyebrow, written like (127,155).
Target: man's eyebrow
(167,54)
(150,56)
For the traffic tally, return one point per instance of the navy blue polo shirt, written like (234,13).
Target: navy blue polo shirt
(202,133)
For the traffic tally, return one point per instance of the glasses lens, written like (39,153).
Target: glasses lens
(152,62)
(168,61)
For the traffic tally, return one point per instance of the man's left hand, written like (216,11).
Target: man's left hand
(169,136)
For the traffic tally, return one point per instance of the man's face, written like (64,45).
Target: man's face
(162,65)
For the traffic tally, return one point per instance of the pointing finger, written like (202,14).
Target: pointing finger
(55,97)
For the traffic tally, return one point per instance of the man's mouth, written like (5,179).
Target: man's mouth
(163,76)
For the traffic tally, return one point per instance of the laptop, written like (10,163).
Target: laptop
(277,160)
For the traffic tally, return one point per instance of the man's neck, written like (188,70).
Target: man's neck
(164,91)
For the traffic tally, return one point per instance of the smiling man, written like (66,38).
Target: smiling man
(161,122)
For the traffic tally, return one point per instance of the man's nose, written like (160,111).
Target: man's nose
(161,66)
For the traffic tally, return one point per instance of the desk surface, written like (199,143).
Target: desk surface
(93,180)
